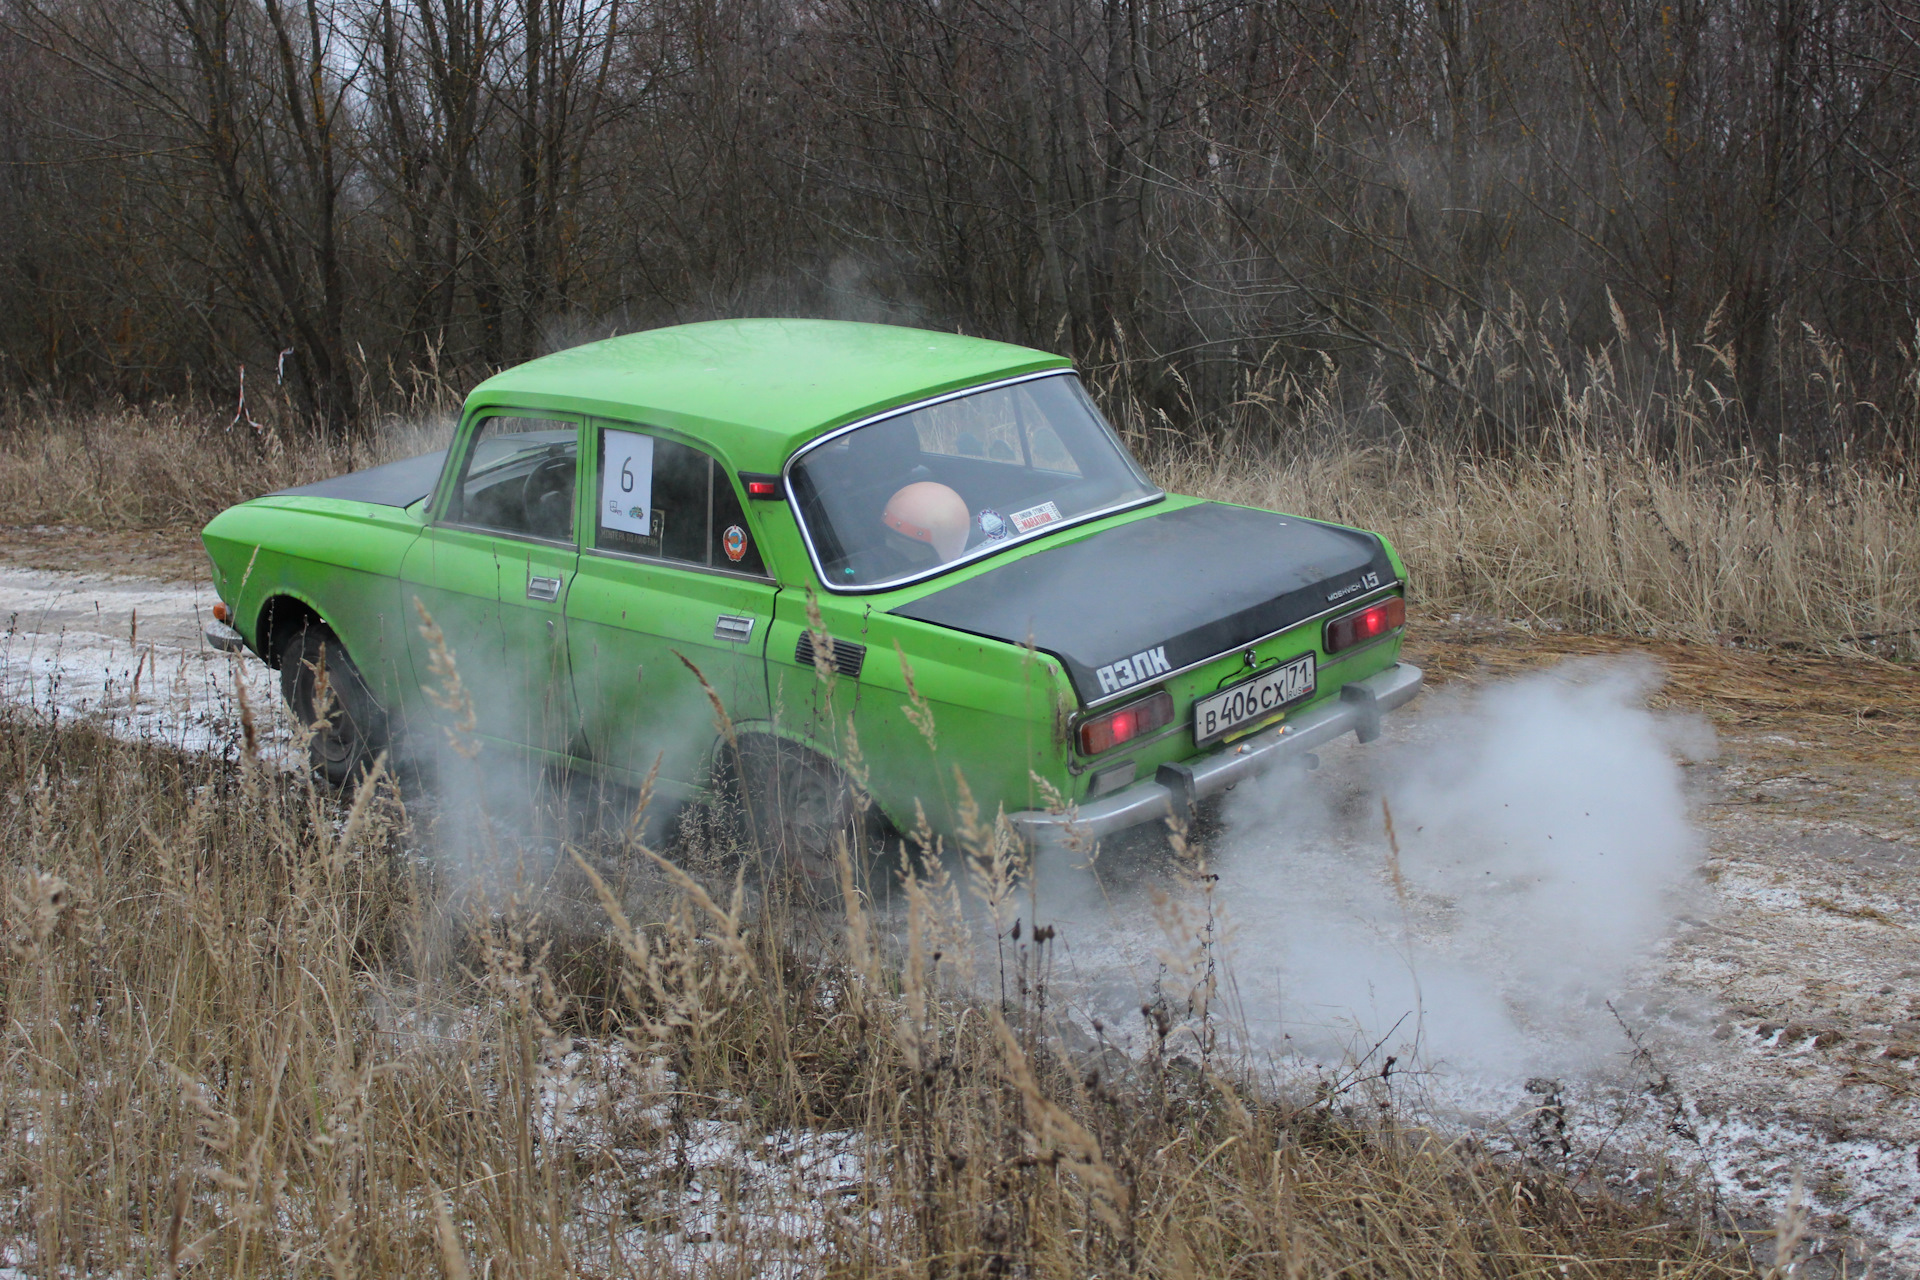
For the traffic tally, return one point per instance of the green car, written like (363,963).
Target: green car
(909,564)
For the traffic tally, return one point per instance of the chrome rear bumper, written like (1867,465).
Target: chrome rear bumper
(1175,787)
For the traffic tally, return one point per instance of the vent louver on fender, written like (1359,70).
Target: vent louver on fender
(848,657)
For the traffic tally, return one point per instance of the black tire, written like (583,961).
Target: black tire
(352,732)
(799,806)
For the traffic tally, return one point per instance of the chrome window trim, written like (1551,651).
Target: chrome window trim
(979,553)
(596,426)
(1373,597)
(460,450)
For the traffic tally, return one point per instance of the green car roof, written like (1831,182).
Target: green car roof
(757,389)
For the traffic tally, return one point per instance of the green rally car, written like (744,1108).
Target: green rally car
(1003,596)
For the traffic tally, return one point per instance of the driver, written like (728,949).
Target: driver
(929,512)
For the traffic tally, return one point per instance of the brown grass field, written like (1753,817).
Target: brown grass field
(253,1029)
(250,1032)
(1607,517)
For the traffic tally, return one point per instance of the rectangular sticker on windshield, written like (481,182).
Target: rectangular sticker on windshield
(626,483)
(1033,517)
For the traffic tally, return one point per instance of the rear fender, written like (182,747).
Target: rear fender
(718,762)
(997,713)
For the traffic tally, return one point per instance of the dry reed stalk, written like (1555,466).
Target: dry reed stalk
(170,464)
(1601,503)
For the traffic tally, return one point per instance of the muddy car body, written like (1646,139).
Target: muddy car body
(613,518)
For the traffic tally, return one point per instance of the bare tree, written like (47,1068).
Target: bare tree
(1193,191)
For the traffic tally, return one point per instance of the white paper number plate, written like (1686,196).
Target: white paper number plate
(626,483)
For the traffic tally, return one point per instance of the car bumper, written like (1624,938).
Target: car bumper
(1173,791)
(223,637)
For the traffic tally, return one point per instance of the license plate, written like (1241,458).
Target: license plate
(1252,701)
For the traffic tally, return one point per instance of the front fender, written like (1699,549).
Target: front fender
(341,560)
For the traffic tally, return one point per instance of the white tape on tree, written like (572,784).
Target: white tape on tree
(626,483)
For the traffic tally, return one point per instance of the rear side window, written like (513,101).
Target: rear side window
(517,478)
(665,500)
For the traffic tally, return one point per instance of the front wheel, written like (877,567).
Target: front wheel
(329,697)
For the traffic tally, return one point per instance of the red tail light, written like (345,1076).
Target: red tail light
(1369,623)
(1135,720)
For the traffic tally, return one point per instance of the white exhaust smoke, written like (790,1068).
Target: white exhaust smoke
(1543,848)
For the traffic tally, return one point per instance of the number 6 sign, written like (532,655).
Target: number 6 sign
(626,483)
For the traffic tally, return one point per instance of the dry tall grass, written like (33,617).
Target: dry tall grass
(1612,502)
(1613,539)
(1608,490)
(250,1031)
(174,465)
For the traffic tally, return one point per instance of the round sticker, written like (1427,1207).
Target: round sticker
(992,524)
(734,542)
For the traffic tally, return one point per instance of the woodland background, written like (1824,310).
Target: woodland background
(1208,201)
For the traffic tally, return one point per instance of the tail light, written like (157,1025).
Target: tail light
(1135,720)
(1369,623)
(220,613)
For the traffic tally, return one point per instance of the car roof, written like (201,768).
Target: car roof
(757,389)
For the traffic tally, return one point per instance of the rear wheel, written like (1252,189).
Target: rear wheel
(799,807)
(329,697)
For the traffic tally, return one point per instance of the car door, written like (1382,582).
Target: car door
(493,568)
(671,570)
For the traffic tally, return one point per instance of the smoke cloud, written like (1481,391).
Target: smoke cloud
(1543,850)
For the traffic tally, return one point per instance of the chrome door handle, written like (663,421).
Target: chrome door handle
(731,626)
(543,589)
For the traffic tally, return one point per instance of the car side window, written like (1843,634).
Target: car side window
(665,500)
(518,478)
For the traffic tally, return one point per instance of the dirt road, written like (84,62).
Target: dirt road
(1769,1037)
(126,653)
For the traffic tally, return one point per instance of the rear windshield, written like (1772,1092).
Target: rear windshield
(917,493)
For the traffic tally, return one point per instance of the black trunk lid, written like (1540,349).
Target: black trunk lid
(1130,603)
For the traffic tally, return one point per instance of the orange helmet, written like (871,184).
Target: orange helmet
(930,512)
